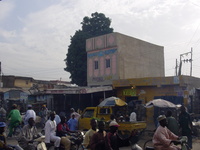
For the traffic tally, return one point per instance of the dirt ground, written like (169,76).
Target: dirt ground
(144,138)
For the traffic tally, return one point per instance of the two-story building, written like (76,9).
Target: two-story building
(116,56)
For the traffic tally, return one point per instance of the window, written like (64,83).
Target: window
(88,114)
(104,111)
(107,63)
(96,65)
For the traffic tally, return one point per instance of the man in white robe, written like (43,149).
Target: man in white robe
(30,113)
(50,131)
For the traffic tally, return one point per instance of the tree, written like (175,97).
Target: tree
(76,60)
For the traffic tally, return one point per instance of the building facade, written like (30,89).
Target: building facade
(17,82)
(183,90)
(116,56)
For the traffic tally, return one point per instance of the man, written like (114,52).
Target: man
(29,134)
(163,138)
(2,113)
(98,140)
(90,133)
(112,138)
(57,119)
(114,141)
(30,113)
(133,117)
(186,125)
(50,132)
(77,115)
(73,123)
(15,119)
(172,123)
(63,131)
(3,143)
(44,115)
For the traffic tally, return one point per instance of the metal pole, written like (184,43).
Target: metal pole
(191,63)
(91,99)
(79,101)
(176,67)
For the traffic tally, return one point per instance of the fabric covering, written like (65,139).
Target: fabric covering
(112,101)
(160,103)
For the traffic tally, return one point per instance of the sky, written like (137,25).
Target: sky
(35,35)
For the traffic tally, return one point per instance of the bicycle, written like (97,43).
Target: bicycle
(17,131)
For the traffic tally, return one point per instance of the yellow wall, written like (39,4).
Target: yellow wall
(147,93)
(24,83)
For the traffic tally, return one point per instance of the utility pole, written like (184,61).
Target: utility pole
(186,61)
(191,63)
(176,68)
(0,76)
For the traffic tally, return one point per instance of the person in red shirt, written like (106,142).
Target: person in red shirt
(64,132)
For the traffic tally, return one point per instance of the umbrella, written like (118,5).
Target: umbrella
(160,103)
(112,101)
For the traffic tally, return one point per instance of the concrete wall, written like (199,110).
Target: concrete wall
(138,59)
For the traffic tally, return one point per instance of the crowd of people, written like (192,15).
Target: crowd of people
(169,131)
(59,130)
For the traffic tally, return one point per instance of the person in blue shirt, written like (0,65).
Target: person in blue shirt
(57,119)
(73,123)
(3,143)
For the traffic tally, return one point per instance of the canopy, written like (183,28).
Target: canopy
(112,101)
(160,103)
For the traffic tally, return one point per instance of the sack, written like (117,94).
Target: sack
(41,146)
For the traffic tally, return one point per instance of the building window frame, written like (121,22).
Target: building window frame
(108,63)
(96,65)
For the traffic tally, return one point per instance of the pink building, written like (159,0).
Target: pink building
(116,56)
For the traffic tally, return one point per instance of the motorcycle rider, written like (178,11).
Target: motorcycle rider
(29,134)
(15,117)
(3,143)
(50,132)
(30,113)
(98,140)
(163,138)
(90,133)
(64,132)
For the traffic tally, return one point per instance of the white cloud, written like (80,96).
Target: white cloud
(6,7)
(7,34)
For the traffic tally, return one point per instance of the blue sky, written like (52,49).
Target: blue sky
(34,35)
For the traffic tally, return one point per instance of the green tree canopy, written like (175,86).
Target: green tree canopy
(76,60)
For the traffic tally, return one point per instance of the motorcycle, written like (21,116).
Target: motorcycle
(130,139)
(39,143)
(17,131)
(134,139)
(76,141)
(183,143)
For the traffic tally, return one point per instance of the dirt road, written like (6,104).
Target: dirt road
(196,143)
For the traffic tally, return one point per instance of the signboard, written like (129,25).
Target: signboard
(129,92)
